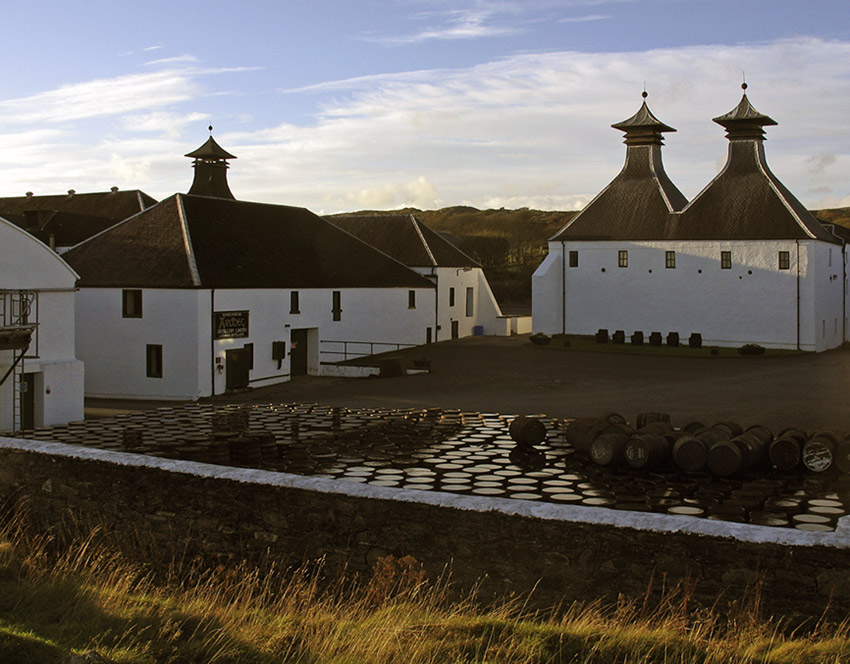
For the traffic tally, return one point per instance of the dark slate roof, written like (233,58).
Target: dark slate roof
(71,218)
(202,242)
(746,201)
(405,238)
(210,150)
(636,205)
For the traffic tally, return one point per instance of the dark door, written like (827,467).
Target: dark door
(237,365)
(28,401)
(455,332)
(298,353)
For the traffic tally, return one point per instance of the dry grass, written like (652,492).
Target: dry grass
(74,595)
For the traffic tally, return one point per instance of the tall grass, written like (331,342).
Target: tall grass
(62,595)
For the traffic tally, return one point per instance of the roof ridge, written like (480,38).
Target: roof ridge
(187,242)
(415,223)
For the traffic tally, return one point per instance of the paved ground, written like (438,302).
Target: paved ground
(511,375)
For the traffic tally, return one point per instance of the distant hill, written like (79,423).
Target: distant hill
(510,244)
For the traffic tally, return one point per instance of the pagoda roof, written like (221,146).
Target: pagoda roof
(210,150)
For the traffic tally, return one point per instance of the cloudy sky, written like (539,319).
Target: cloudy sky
(340,105)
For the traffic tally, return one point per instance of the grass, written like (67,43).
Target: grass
(588,344)
(62,596)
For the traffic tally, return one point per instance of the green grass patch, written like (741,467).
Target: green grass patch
(80,596)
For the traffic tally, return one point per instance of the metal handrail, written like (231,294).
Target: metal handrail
(371,344)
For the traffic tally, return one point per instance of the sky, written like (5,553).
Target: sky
(380,104)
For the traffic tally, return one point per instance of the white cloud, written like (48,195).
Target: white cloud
(531,130)
(122,94)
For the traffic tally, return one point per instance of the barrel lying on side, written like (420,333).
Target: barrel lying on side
(784,451)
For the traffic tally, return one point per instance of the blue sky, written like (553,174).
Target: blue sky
(379,104)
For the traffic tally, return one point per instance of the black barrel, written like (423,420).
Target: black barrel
(690,453)
(784,452)
(647,450)
(724,458)
(609,449)
(643,419)
(731,429)
(842,456)
(527,431)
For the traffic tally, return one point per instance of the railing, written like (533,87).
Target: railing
(352,349)
(19,309)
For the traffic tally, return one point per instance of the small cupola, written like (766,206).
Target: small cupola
(643,128)
(744,122)
(210,164)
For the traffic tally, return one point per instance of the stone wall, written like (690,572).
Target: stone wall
(566,553)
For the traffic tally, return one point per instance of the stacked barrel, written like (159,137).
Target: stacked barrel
(721,449)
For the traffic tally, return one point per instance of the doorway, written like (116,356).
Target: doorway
(455,331)
(237,365)
(298,352)
(27,389)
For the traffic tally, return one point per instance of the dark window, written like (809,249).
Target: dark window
(451,297)
(470,302)
(294,305)
(337,305)
(725,260)
(249,353)
(784,260)
(131,303)
(622,258)
(670,259)
(411,299)
(154,361)
(573,259)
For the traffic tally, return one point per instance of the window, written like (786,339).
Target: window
(470,302)
(725,260)
(294,304)
(573,259)
(411,299)
(670,260)
(131,303)
(154,361)
(451,297)
(336,309)
(784,260)
(622,259)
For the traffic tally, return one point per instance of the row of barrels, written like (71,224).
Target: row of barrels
(723,448)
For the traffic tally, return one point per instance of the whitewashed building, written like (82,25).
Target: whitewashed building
(743,262)
(200,294)
(465,303)
(41,380)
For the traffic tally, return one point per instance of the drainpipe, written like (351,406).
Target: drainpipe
(436,304)
(212,341)
(797,244)
(563,288)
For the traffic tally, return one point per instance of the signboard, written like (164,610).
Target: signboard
(230,324)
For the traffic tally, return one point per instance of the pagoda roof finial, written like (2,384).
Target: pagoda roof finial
(744,122)
(643,127)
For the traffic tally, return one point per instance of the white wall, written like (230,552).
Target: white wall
(485,310)
(753,301)
(114,348)
(373,320)
(547,293)
(27,264)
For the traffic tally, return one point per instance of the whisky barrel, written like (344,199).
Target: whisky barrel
(609,449)
(643,419)
(842,456)
(784,451)
(647,450)
(819,451)
(724,458)
(690,453)
(527,431)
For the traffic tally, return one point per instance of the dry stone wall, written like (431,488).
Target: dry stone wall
(564,552)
